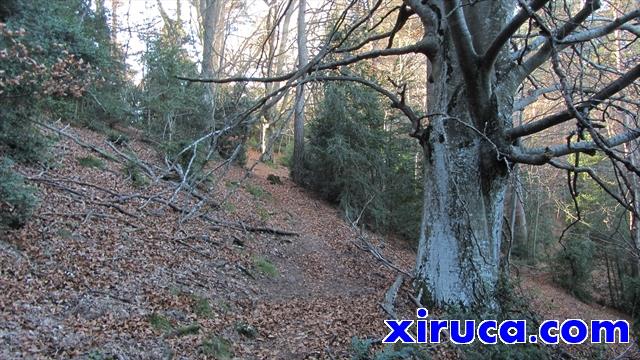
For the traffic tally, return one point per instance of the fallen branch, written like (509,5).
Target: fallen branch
(147,169)
(55,184)
(180,241)
(100,151)
(246,271)
(242,226)
(390,297)
(367,246)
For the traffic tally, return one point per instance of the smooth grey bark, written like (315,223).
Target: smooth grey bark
(634,158)
(210,11)
(470,142)
(298,120)
(277,50)
(460,234)
(458,260)
(514,208)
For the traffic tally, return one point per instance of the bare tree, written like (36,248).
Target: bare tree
(298,121)
(276,42)
(481,53)
(211,22)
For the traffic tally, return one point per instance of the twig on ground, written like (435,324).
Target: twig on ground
(365,245)
(390,297)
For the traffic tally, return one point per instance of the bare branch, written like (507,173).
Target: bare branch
(610,90)
(537,59)
(592,174)
(397,103)
(543,155)
(489,58)
(522,103)
(420,47)
(600,31)
(467,54)
(403,15)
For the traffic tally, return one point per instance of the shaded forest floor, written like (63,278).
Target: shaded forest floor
(105,269)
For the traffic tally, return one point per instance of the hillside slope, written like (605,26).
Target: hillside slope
(109,270)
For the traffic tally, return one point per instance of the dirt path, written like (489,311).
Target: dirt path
(93,276)
(87,280)
(327,290)
(552,302)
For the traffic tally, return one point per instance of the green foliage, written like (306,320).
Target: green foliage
(274,179)
(118,138)
(160,323)
(228,207)
(59,62)
(263,213)
(17,199)
(191,329)
(174,110)
(631,301)
(132,171)
(217,347)
(91,161)
(506,352)
(363,161)
(246,330)
(71,28)
(265,266)
(19,138)
(361,350)
(257,191)
(202,307)
(178,112)
(287,155)
(574,265)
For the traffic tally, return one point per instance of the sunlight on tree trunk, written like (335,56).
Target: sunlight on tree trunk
(458,260)
(298,121)
(210,11)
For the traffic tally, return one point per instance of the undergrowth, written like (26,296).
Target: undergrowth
(17,199)
(91,162)
(265,266)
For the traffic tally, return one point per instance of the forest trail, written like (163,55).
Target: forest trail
(327,290)
(105,270)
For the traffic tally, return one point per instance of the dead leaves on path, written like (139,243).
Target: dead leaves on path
(101,258)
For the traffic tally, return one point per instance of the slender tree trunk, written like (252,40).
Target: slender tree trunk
(209,16)
(634,158)
(298,122)
(532,255)
(514,207)
(115,4)
(277,50)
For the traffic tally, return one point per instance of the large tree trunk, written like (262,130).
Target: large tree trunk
(459,250)
(458,260)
